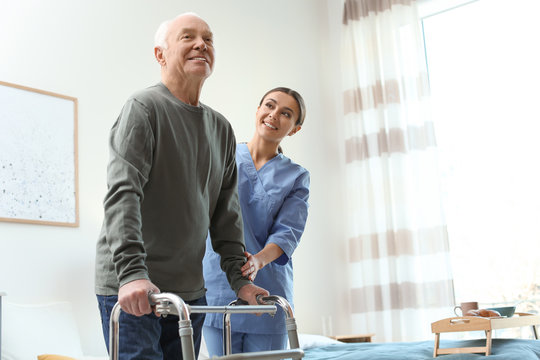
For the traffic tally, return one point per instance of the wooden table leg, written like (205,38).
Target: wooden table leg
(488,342)
(436,347)
(535,331)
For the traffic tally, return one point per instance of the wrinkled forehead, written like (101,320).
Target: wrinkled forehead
(190,22)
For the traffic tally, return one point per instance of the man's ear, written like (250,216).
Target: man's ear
(158,53)
(295,130)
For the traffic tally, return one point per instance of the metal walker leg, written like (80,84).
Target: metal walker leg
(290,322)
(167,303)
(163,302)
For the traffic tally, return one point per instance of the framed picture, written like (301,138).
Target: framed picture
(38,157)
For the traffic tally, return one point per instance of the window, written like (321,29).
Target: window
(483,60)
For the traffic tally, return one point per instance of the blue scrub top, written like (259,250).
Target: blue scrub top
(274,202)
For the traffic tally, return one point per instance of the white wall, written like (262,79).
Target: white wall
(101,51)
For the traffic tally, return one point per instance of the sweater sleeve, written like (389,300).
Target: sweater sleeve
(131,146)
(226,228)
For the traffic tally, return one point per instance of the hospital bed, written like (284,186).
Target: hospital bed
(167,303)
(502,349)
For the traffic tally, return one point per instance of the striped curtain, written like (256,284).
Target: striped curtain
(398,246)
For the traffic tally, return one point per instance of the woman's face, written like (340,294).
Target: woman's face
(276,117)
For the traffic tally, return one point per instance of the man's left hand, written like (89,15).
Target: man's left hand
(249,293)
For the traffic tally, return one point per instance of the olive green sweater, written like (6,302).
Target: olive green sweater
(171,178)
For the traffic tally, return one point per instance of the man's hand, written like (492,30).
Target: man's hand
(133,297)
(249,293)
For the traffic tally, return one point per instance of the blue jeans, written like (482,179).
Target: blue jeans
(149,337)
(242,342)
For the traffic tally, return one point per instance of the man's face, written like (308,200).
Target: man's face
(190,50)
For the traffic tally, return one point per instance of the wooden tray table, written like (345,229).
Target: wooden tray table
(477,323)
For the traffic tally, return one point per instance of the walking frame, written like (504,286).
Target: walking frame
(167,303)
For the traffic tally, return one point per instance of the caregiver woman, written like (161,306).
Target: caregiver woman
(273,194)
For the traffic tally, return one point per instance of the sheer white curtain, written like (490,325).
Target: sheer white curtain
(398,244)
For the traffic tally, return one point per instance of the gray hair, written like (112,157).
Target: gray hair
(160,38)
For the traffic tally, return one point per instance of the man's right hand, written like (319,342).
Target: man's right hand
(133,297)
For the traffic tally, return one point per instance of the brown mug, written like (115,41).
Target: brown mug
(466,307)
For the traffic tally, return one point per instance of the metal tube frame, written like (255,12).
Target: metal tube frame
(290,322)
(163,302)
(167,303)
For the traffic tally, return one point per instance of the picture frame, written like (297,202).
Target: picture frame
(38,156)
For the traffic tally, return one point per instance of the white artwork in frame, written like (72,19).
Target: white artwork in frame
(38,157)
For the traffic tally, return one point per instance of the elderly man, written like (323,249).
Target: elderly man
(172,178)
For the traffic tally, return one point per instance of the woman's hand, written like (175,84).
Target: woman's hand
(252,266)
(256,262)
